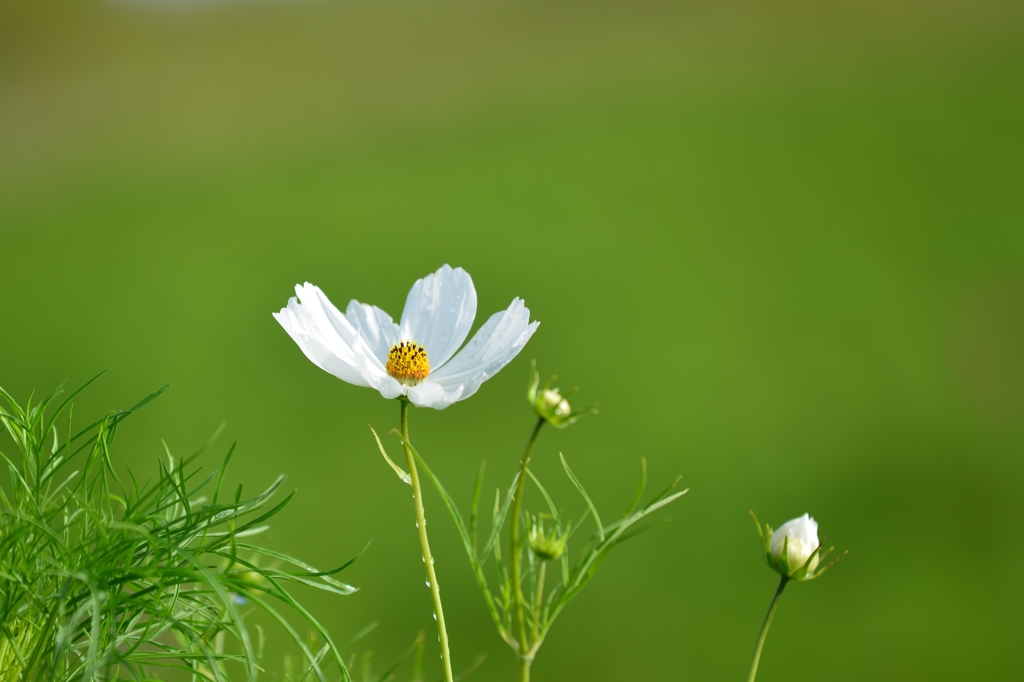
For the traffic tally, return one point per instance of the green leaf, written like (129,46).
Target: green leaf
(402,474)
(499,519)
(586,497)
(640,487)
(475,505)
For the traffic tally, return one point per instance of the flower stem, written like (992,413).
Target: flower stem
(525,659)
(764,628)
(539,600)
(428,560)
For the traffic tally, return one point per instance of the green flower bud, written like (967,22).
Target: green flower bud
(245,579)
(546,546)
(551,404)
(250,577)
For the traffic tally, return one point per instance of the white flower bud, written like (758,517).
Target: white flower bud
(800,537)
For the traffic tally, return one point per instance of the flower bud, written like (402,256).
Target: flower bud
(250,577)
(246,579)
(798,538)
(550,404)
(546,547)
(794,550)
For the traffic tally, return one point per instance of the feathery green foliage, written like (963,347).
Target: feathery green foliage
(106,579)
(544,604)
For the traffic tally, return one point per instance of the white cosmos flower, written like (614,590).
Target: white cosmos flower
(416,357)
(802,534)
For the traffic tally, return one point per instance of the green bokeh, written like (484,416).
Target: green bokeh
(780,244)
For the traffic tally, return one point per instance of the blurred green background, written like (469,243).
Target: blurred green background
(780,243)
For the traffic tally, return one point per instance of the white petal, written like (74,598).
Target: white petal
(387,385)
(378,332)
(371,366)
(375,326)
(333,343)
(803,539)
(491,348)
(439,313)
(342,363)
(327,317)
(433,394)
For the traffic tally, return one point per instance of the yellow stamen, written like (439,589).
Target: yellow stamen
(407,362)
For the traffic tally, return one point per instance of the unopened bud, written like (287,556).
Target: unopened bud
(546,546)
(799,539)
(551,404)
(794,550)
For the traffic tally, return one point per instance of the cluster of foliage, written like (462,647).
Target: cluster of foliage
(542,605)
(102,578)
(528,599)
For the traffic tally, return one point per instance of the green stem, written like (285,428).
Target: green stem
(764,628)
(538,600)
(428,560)
(517,582)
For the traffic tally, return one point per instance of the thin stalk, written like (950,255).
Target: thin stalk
(764,628)
(428,560)
(525,659)
(538,599)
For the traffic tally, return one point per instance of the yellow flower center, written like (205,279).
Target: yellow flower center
(407,362)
